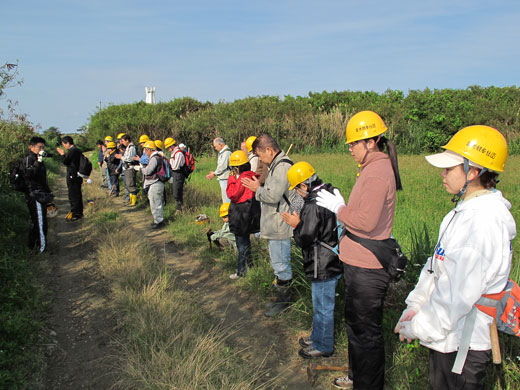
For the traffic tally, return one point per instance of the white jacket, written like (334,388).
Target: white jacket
(473,257)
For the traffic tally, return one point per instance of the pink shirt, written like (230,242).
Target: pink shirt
(369,212)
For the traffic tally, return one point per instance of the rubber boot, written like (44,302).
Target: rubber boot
(283,300)
(133,200)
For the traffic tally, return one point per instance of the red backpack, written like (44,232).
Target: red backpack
(189,163)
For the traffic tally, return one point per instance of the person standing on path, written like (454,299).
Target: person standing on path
(472,258)
(177,162)
(369,214)
(108,139)
(128,168)
(244,211)
(152,185)
(35,175)
(316,232)
(275,199)
(74,181)
(113,163)
(222,170)
(101,159)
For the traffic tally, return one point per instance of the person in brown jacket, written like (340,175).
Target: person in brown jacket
(369,213)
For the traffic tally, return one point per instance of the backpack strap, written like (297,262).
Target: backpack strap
(282,160)
(467,331)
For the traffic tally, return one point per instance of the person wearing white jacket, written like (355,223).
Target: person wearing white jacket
(472,257)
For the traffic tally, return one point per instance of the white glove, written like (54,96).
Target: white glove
(405,331)
(330,201)
(407,315)
(40,155)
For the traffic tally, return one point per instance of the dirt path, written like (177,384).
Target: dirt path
(83,324)
(80,321)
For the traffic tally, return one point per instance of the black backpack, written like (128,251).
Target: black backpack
(85,167)
(17,177)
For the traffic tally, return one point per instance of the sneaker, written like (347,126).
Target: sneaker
(76,217)
(312,353)
(305,342)
(343,382)
(235,276)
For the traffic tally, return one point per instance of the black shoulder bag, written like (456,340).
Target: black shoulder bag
(388,253)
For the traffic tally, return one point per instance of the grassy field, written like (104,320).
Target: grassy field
(420,208)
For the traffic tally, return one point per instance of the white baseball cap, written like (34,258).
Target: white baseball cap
(448,159)
(182,146)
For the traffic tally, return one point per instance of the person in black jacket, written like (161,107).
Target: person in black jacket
(315,231)
(74,181)
(37,193)
(113,165)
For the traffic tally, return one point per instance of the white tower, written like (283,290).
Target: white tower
(150,95)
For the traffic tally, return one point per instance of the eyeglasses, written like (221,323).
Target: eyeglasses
(352,144)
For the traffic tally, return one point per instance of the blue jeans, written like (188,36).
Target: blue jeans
(244,253)
(280,258)
(323,300)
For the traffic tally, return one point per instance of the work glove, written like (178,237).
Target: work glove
(330,201)
(405,331)
(41,153)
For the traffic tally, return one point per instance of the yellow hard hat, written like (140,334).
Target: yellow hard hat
(111,145)
(364,125)
(298,173)
(482,145)
(237,158)
(150,145)
(249,143)
(158,144)
(108,138)
(143,138)
(169,142)
(224,209)
(120,135)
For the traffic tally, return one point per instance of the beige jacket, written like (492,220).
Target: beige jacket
(271,195)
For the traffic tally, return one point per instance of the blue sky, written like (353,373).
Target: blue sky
(73,54)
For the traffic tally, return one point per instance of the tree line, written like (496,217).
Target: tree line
(419,121)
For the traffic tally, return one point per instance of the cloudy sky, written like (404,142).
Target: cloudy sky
(74,54)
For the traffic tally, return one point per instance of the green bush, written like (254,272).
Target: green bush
(418,122)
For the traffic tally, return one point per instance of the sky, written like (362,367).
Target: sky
(75,55)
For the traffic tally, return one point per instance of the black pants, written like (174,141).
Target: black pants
(75,196)
(244,253)
(114,181)
(471,378)
(38,228)
(365,291)
(178,188)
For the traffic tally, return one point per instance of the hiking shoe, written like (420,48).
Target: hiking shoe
(305,342)
(343,382)
(312,353)
(235,276)
(157,225)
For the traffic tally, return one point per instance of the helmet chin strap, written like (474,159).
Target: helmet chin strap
(456,198)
